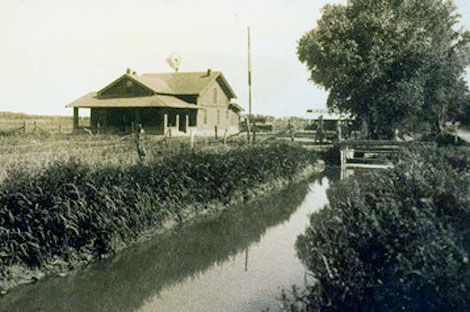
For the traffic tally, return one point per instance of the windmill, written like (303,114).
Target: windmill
(174,60)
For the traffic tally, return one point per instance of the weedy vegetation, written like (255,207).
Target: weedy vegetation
(78,208)
(395,240)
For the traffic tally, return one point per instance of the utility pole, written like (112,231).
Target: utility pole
(249,84)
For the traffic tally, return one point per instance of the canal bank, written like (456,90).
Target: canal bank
(238,260)
(255,181)
(393,240)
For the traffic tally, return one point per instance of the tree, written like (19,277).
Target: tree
(390,63)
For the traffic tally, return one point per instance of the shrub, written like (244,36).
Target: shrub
(393,240)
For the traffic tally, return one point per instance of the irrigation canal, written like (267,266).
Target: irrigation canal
(237,261)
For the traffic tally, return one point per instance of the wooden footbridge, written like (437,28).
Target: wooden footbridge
(355,155)
(366,155)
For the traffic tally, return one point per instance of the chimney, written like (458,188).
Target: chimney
(209,72)
(128,71)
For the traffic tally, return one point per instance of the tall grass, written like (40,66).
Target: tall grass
(36,151)
(72,208)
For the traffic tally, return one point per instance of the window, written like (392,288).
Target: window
(226,114)
(128,88)
(205,116)
(214,94)
(218,116)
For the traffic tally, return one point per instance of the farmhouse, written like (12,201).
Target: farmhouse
(178,102)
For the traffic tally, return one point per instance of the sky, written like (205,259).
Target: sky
(55,51)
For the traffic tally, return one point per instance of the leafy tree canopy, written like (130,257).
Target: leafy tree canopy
(391,63)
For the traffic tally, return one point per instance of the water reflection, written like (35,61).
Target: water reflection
(214,253)
(330,174)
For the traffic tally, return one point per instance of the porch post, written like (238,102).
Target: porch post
(177,122)
(138,115)
(165,123)
(75,119)
(187,122)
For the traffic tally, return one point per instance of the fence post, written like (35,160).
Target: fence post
(75,119)
(247,123)
(35,127)
(225,137)
(24,127)
(254,130)
(339,130)
(343,153)
(215,129)
(59,129)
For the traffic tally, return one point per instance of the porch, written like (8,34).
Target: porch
(154,120)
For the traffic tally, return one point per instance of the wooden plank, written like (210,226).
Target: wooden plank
(360,160)
(374,151)
(373,142)
(368,166)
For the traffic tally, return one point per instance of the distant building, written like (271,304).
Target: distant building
(332,125)
(200,101)
(314,114)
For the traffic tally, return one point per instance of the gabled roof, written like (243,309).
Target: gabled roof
(192,82)
(91,100)
(164,87)
(236,107)
(177,83)
(155,85)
